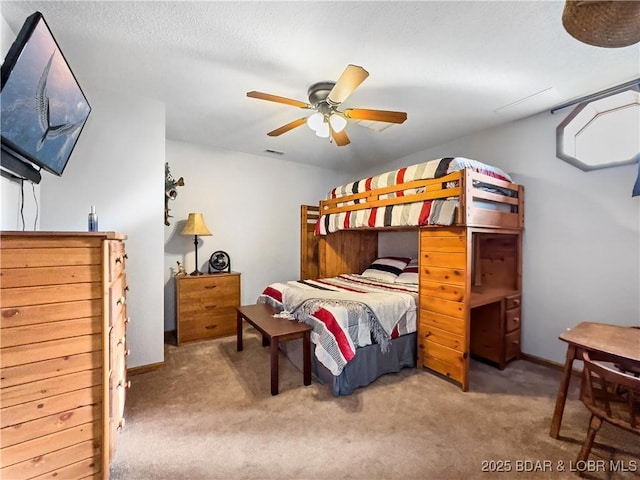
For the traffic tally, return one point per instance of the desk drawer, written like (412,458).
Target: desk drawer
(513,302)
(512,345)
(513,319)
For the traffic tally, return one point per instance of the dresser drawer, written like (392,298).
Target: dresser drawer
(117,257)
(118,299)
(512,319)
(204,326)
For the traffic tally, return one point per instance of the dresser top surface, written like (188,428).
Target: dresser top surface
(106,235)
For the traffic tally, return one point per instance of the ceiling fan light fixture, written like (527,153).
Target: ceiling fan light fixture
(323,130)
(315,121)
(338,122)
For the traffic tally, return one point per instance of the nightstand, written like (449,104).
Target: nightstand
(205,306)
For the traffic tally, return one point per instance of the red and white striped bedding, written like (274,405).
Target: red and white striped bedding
(430,212)
(346,312)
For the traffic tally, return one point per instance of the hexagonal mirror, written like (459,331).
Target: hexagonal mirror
(602,133)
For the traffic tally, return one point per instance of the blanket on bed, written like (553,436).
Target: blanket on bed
(346,312)
(429,212)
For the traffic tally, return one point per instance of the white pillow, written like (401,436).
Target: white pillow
(386,269)
(410,273)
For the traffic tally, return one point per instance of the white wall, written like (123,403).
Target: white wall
(251,204)
(16,212)
(118,166)
(581,258)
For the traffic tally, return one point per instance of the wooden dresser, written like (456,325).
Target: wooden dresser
(205,306)
(63,353)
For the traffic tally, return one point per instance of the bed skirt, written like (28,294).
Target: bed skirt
(368,364)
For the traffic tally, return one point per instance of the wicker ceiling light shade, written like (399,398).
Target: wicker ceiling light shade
(609,24)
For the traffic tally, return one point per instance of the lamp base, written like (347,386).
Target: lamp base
(196,272)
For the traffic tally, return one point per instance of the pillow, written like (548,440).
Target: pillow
(386,269)
(410,273)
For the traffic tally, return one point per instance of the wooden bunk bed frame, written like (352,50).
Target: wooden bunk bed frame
(470,276)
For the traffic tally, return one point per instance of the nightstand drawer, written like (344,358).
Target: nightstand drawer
(202,326)
(198,301)
(205,288)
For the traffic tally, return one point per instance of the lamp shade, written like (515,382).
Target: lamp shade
(338,122)
(195,225)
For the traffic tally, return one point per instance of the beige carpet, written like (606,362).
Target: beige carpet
(209,414)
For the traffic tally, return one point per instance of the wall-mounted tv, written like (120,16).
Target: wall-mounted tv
(43,108)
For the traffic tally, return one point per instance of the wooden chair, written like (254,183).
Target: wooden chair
(611,396)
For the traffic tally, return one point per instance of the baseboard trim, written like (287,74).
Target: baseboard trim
(152,367)
(547,363)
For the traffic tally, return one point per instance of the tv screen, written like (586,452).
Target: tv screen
(43,107)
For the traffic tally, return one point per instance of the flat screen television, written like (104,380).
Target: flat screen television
(43,107)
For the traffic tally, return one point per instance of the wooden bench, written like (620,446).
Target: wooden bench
(275,330)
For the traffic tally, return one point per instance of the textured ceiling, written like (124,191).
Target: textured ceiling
(454,67)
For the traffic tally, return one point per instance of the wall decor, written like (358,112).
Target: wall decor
(170,191)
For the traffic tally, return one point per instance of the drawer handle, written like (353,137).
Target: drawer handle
(10,313)
(516,320)
(211,327)
(118,259)
(211,306)
(121,341)
(127,353)
(516,301)
(126,384)
(121,300)
(126,289)
(127,320)
(125,256)
(120,424)
(210,286)
(428,334)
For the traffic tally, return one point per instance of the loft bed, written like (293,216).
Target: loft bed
(445,191)
(469,218)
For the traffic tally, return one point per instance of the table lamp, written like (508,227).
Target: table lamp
(195,226)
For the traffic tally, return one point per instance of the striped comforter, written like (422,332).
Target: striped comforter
(430,212)
(346,312)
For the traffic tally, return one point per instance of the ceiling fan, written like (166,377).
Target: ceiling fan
(325,98)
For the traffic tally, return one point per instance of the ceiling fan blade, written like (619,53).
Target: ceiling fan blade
(287,127)
(375,115)
(276,98)
(340,138)
(352,76)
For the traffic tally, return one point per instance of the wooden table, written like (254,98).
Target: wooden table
(275,330)
(612,343)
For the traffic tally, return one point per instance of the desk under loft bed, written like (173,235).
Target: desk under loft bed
(469,221)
